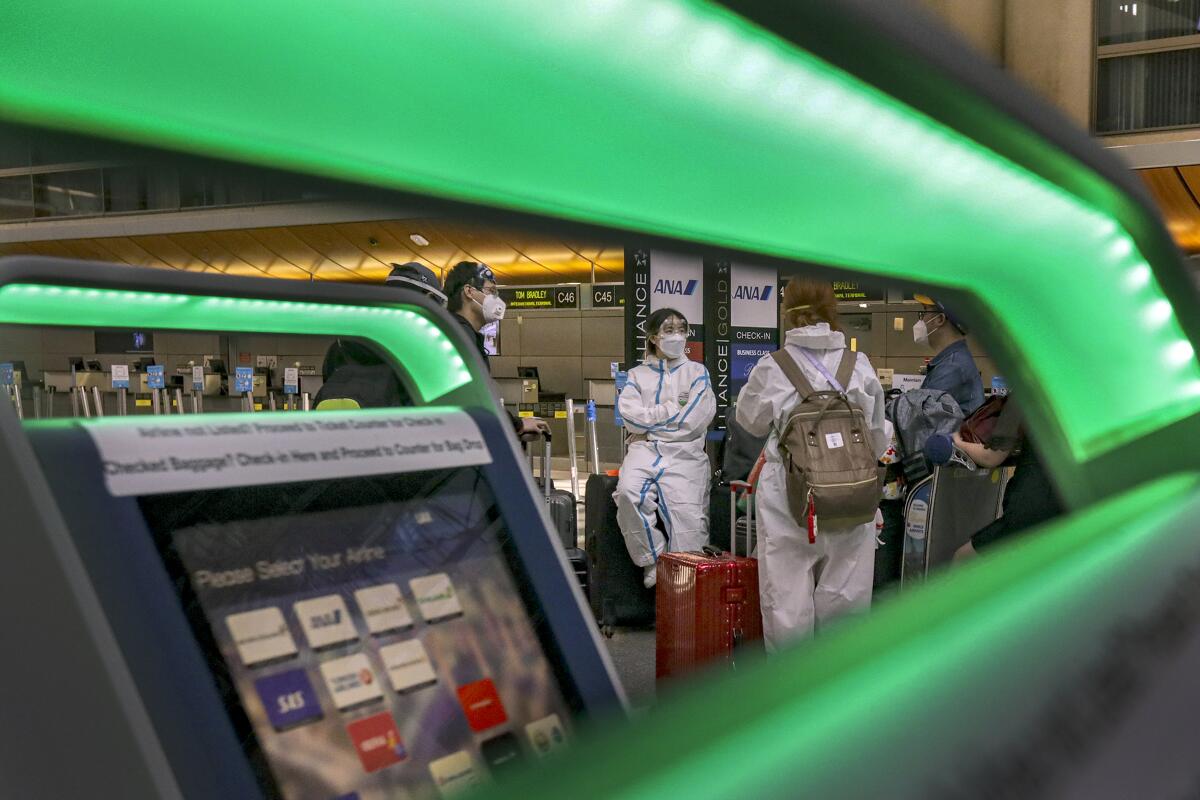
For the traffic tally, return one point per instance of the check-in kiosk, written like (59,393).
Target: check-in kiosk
(335,604)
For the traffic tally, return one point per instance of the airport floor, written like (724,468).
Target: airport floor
(632,651)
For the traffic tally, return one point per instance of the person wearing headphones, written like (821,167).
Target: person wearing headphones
(474,299)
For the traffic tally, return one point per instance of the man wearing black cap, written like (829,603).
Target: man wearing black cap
(953,369)
(419,277)
(474,299)
(354,374)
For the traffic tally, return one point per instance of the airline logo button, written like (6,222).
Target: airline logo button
(482,705)
(383,608)
(546,735)
(454,774)
(501,753)
(261,635)
(436,597)
(325,621)
(288,698)
(407,665)
(350,681)
(377,741)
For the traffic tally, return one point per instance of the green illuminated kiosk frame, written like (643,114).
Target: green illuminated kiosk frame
(854,136)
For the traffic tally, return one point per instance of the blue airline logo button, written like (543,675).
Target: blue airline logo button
(288,698)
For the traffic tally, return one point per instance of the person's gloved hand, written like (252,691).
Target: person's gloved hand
(532,428)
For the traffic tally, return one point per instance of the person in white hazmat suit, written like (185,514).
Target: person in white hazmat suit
(803,583)
(667,405)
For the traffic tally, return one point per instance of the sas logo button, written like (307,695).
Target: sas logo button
(288,698)
(377,741)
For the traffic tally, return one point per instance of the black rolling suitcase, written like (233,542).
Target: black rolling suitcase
(560,503)
(579,563)
(615,588)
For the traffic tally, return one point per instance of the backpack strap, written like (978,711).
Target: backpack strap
(793,372)
(845,369)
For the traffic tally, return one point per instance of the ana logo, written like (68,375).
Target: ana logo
(675,287)
(333,617)
(760,293)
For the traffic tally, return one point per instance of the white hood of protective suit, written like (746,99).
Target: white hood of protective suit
(816,337)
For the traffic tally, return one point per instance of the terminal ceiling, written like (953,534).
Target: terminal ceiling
(349,251)
(1175,190)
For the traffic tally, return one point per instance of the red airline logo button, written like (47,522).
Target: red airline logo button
(482,705)
(377,741)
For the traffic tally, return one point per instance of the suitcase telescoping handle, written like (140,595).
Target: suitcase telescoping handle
(546,466)
(748,490)
(546,445)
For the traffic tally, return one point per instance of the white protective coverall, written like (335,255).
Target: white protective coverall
(667,406)
(803,585)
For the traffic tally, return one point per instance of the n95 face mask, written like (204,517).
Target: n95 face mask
(492,307)
(921,332)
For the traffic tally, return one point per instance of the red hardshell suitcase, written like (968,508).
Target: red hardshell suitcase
(706,604)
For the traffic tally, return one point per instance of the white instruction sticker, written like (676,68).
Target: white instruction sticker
(178,454)
(834,440)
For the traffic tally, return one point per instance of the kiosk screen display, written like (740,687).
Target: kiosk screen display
(370,635)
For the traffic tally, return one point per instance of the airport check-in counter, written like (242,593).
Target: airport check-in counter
(358,603)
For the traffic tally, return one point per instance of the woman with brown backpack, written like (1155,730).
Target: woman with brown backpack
(823,408)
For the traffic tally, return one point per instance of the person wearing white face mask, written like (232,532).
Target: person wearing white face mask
(953,369)
(809,574)
(667,405)
(473,298)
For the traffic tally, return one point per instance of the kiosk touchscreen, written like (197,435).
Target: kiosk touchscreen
(377,622)
(356,592)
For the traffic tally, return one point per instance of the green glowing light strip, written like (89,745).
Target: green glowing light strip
(711,129)
(802,722)
(414,341)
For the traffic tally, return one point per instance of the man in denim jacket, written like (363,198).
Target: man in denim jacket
(953,369)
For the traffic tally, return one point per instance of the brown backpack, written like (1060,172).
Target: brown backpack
(831,470)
